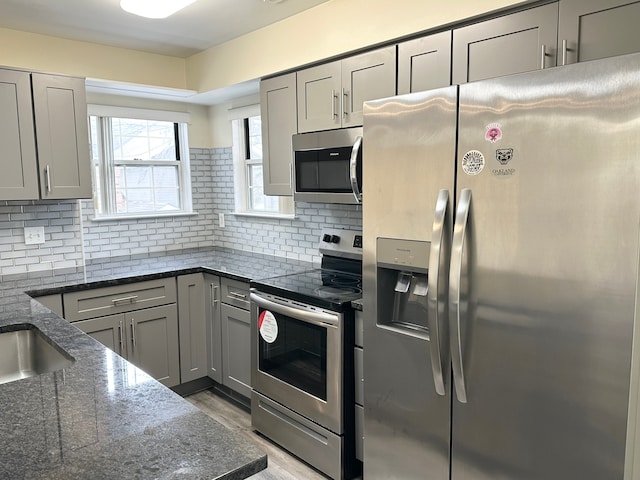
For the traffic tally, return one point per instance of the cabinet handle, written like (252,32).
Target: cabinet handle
(334,97)
(124,300)
(344,103)
(543,55)
(565,49)
(237,295)
(47,174)
(214,297)
(120,334)
(133,333)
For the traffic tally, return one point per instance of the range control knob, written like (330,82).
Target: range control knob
(335,239)
(326,238)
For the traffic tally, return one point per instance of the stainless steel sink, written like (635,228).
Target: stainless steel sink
(25,352)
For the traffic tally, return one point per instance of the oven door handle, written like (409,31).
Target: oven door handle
(314,318)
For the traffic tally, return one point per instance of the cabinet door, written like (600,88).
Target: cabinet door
(318,95)
(192,327)
(279,123)
(368,76)
(53,302)
(19,179)
(153,342)
(60,111)
(108,330)
(424,63)
(592,29)
(214,327)
(236,349)
(515,43)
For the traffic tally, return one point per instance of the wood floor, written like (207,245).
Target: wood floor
(282,465)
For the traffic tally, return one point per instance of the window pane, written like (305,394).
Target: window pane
(167,199)
(255,137)
(143,140)
(139,200)
(138,177)
(255,175)
(165,176)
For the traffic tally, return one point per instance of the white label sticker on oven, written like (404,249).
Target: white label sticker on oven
(268,326)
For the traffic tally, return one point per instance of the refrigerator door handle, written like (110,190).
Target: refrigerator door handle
(457,248)
(436,256)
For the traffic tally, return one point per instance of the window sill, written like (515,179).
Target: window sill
(142,216)
(278,216)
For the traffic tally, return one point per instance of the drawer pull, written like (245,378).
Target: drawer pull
(124,300)
(238,295)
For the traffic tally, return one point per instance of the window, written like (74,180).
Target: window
(247,153)
(141,165)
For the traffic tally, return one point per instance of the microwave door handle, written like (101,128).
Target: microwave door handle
(353,169)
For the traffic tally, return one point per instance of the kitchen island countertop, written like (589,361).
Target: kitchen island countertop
(102,417)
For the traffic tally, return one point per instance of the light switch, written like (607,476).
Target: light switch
(33,235)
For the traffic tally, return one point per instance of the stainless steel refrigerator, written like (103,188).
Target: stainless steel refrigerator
(501,223)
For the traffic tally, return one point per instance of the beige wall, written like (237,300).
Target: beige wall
(327,30)
(58,55)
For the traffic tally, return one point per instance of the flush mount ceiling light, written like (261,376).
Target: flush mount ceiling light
(154,8)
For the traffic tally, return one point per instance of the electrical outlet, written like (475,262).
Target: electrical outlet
(33,235)
(221,219)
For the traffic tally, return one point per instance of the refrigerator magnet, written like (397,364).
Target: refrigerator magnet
(472,162)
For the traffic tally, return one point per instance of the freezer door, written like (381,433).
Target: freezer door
(408,167)
(544,270)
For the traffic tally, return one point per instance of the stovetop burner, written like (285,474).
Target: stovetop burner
(335,284)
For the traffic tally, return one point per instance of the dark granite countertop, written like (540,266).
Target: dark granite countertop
(102,417)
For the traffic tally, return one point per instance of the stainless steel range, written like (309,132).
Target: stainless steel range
(302,328)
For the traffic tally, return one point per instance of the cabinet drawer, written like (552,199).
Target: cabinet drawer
(103,301)
(235,293)
(359,374)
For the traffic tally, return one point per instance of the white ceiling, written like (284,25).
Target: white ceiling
(199,26)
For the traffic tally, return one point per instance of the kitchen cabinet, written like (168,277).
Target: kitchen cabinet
(52,302)
(592,29)
(44,135)
(331,95)
(236,336)
(148,338)
(424,63)
(139,321)
(214,327)
(514,43)
(279,122)
(192,326)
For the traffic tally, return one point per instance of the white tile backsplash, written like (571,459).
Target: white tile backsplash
(71,236)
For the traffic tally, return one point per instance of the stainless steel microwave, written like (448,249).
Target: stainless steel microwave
(327,166)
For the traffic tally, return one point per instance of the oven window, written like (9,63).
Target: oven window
(298,356)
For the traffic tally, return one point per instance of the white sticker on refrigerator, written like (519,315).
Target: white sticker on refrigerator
(472,162)
(268,326)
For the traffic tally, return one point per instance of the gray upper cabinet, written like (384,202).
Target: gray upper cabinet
(60,112)
(424,63)
(19,179)
(515,43)
(279,123)
(192,327)
(592,29)
(331,95)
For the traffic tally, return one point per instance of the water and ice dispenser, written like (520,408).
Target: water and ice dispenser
(402,270)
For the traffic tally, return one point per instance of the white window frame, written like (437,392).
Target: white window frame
(104,186)
(241,165)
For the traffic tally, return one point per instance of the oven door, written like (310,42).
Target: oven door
(297,357)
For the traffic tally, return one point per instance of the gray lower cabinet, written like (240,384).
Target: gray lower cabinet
(592,29)
(331,95)
(192,326)
(236,336)
(424,63)
(279,123)
(136,320)
(52,302)
(214,327)
(514,43)
(44,137)
(148,338)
